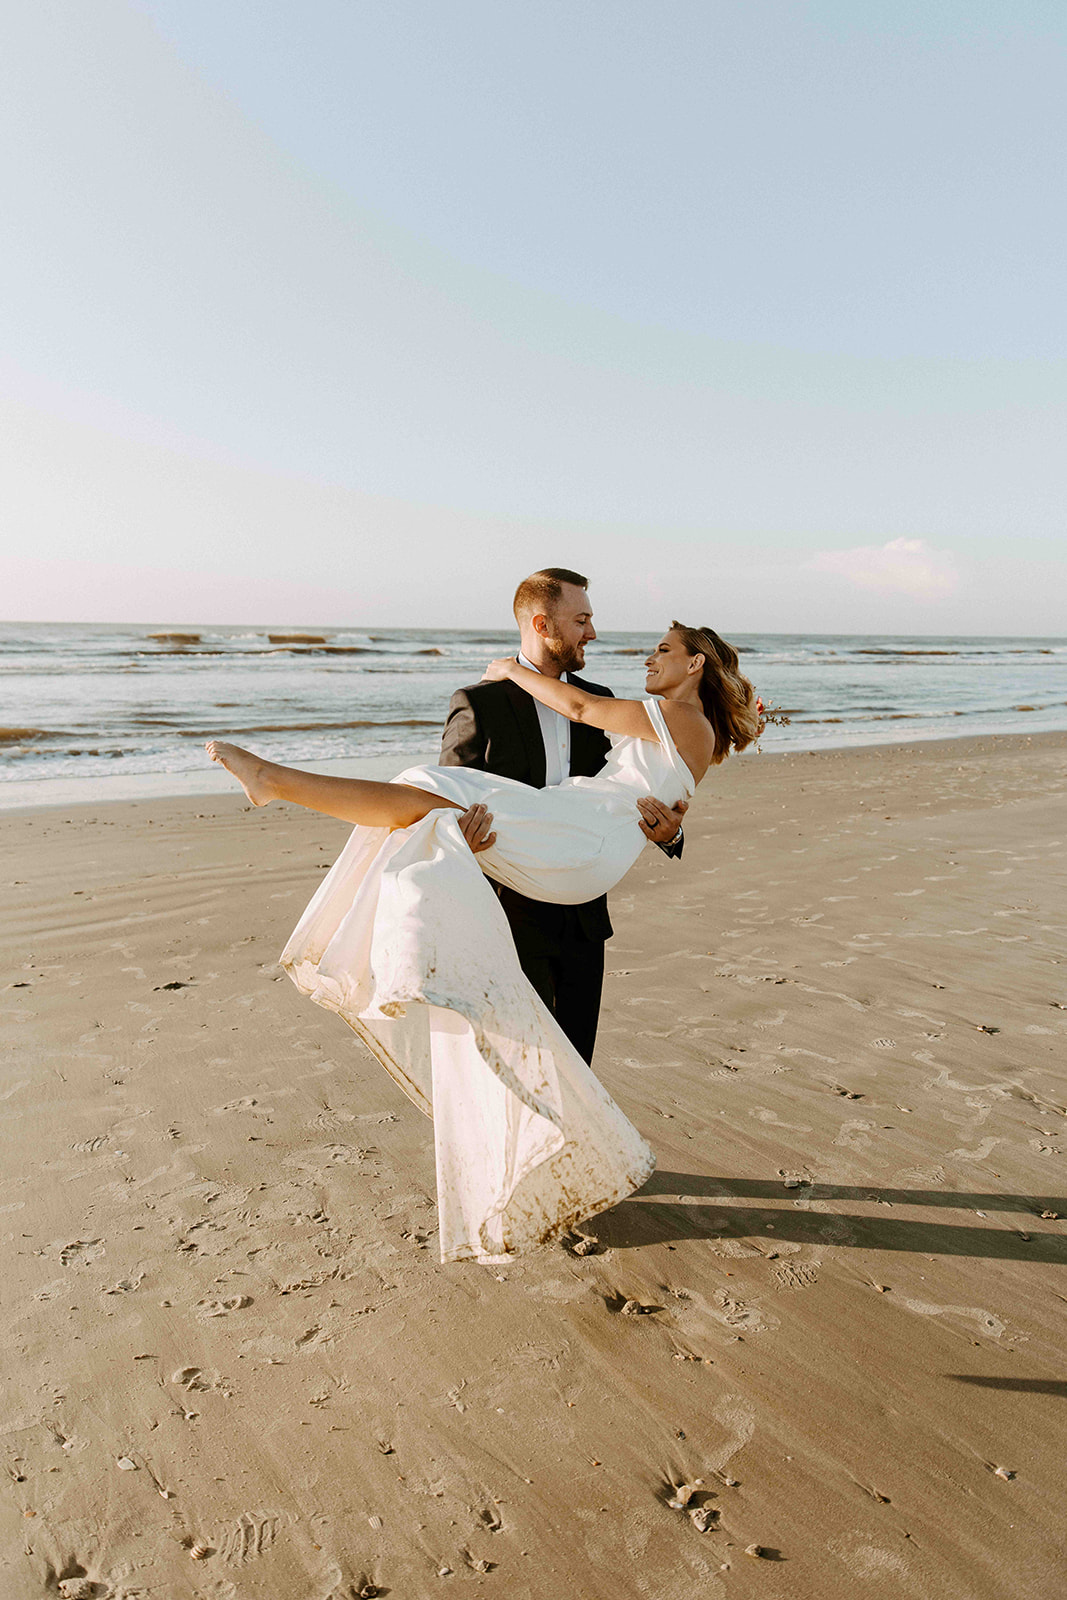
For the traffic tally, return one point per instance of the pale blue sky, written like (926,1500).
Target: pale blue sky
(354,313)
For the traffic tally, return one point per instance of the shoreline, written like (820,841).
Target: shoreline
(212,782)
(22,795)
(841,1021)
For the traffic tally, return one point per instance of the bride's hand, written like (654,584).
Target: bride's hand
(498,670)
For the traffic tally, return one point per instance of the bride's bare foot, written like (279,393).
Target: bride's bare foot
(249,770)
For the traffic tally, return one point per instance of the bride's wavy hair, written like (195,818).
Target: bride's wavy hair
(727,697)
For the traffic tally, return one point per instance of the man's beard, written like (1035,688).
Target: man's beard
(567,657)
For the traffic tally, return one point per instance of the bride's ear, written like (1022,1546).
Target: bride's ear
(696,665)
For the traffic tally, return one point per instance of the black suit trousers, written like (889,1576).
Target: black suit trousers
(563,965)
(493,727)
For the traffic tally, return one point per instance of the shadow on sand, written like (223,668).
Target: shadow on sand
(644,1220)
(1015,1385)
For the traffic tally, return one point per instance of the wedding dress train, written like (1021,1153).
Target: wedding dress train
(407,942)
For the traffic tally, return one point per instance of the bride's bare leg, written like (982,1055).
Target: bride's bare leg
(375,805)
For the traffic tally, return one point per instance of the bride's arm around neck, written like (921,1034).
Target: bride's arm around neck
(689,728)
(626,717)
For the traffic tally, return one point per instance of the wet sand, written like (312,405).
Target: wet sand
(233,1365)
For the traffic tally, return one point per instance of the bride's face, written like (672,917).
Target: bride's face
(669,665)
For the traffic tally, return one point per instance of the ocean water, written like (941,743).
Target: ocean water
(84,705)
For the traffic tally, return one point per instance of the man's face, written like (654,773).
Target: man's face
(569,628)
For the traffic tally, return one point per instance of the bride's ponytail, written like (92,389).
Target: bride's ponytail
(727,697)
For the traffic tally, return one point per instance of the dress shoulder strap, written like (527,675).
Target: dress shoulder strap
(659,723)
(670,749)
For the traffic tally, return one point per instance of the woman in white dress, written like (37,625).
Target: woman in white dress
(407,942)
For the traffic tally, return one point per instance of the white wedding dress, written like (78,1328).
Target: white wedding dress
(407,942)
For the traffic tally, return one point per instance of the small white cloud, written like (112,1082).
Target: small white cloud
(903,566)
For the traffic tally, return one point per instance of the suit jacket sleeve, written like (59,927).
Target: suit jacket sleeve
(463,741)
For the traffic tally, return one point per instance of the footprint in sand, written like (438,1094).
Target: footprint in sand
(328,1119)
(918,1177)
(736,1414)
(128,1284)
(771,1118)
(836,1231)
(772,1022)
(982,1153)
(219,1308)
(81,1252)
(854,1135)
(88,1147)
(864,1560)
(251,1536)
(737,1313)
(800,1275)
(195,1380)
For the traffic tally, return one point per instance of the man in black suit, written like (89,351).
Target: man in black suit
(498,727)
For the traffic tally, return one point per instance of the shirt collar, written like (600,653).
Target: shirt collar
(524,661)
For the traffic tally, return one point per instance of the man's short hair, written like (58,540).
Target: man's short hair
(542,591)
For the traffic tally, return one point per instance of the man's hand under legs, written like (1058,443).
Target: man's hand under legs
(657,823)
(475,824)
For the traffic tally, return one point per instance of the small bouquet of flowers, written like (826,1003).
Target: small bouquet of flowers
(769,715)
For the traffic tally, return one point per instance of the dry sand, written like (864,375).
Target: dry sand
(234,1367)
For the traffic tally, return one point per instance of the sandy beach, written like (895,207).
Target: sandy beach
(831,1328)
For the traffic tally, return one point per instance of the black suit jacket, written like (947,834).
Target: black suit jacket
(494,728)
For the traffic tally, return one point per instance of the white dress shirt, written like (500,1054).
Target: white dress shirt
(556,734)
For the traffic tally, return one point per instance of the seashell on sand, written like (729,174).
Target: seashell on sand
(199,1552)
(756,1550)
(703,1518)
(681,1497)
(77,1588)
